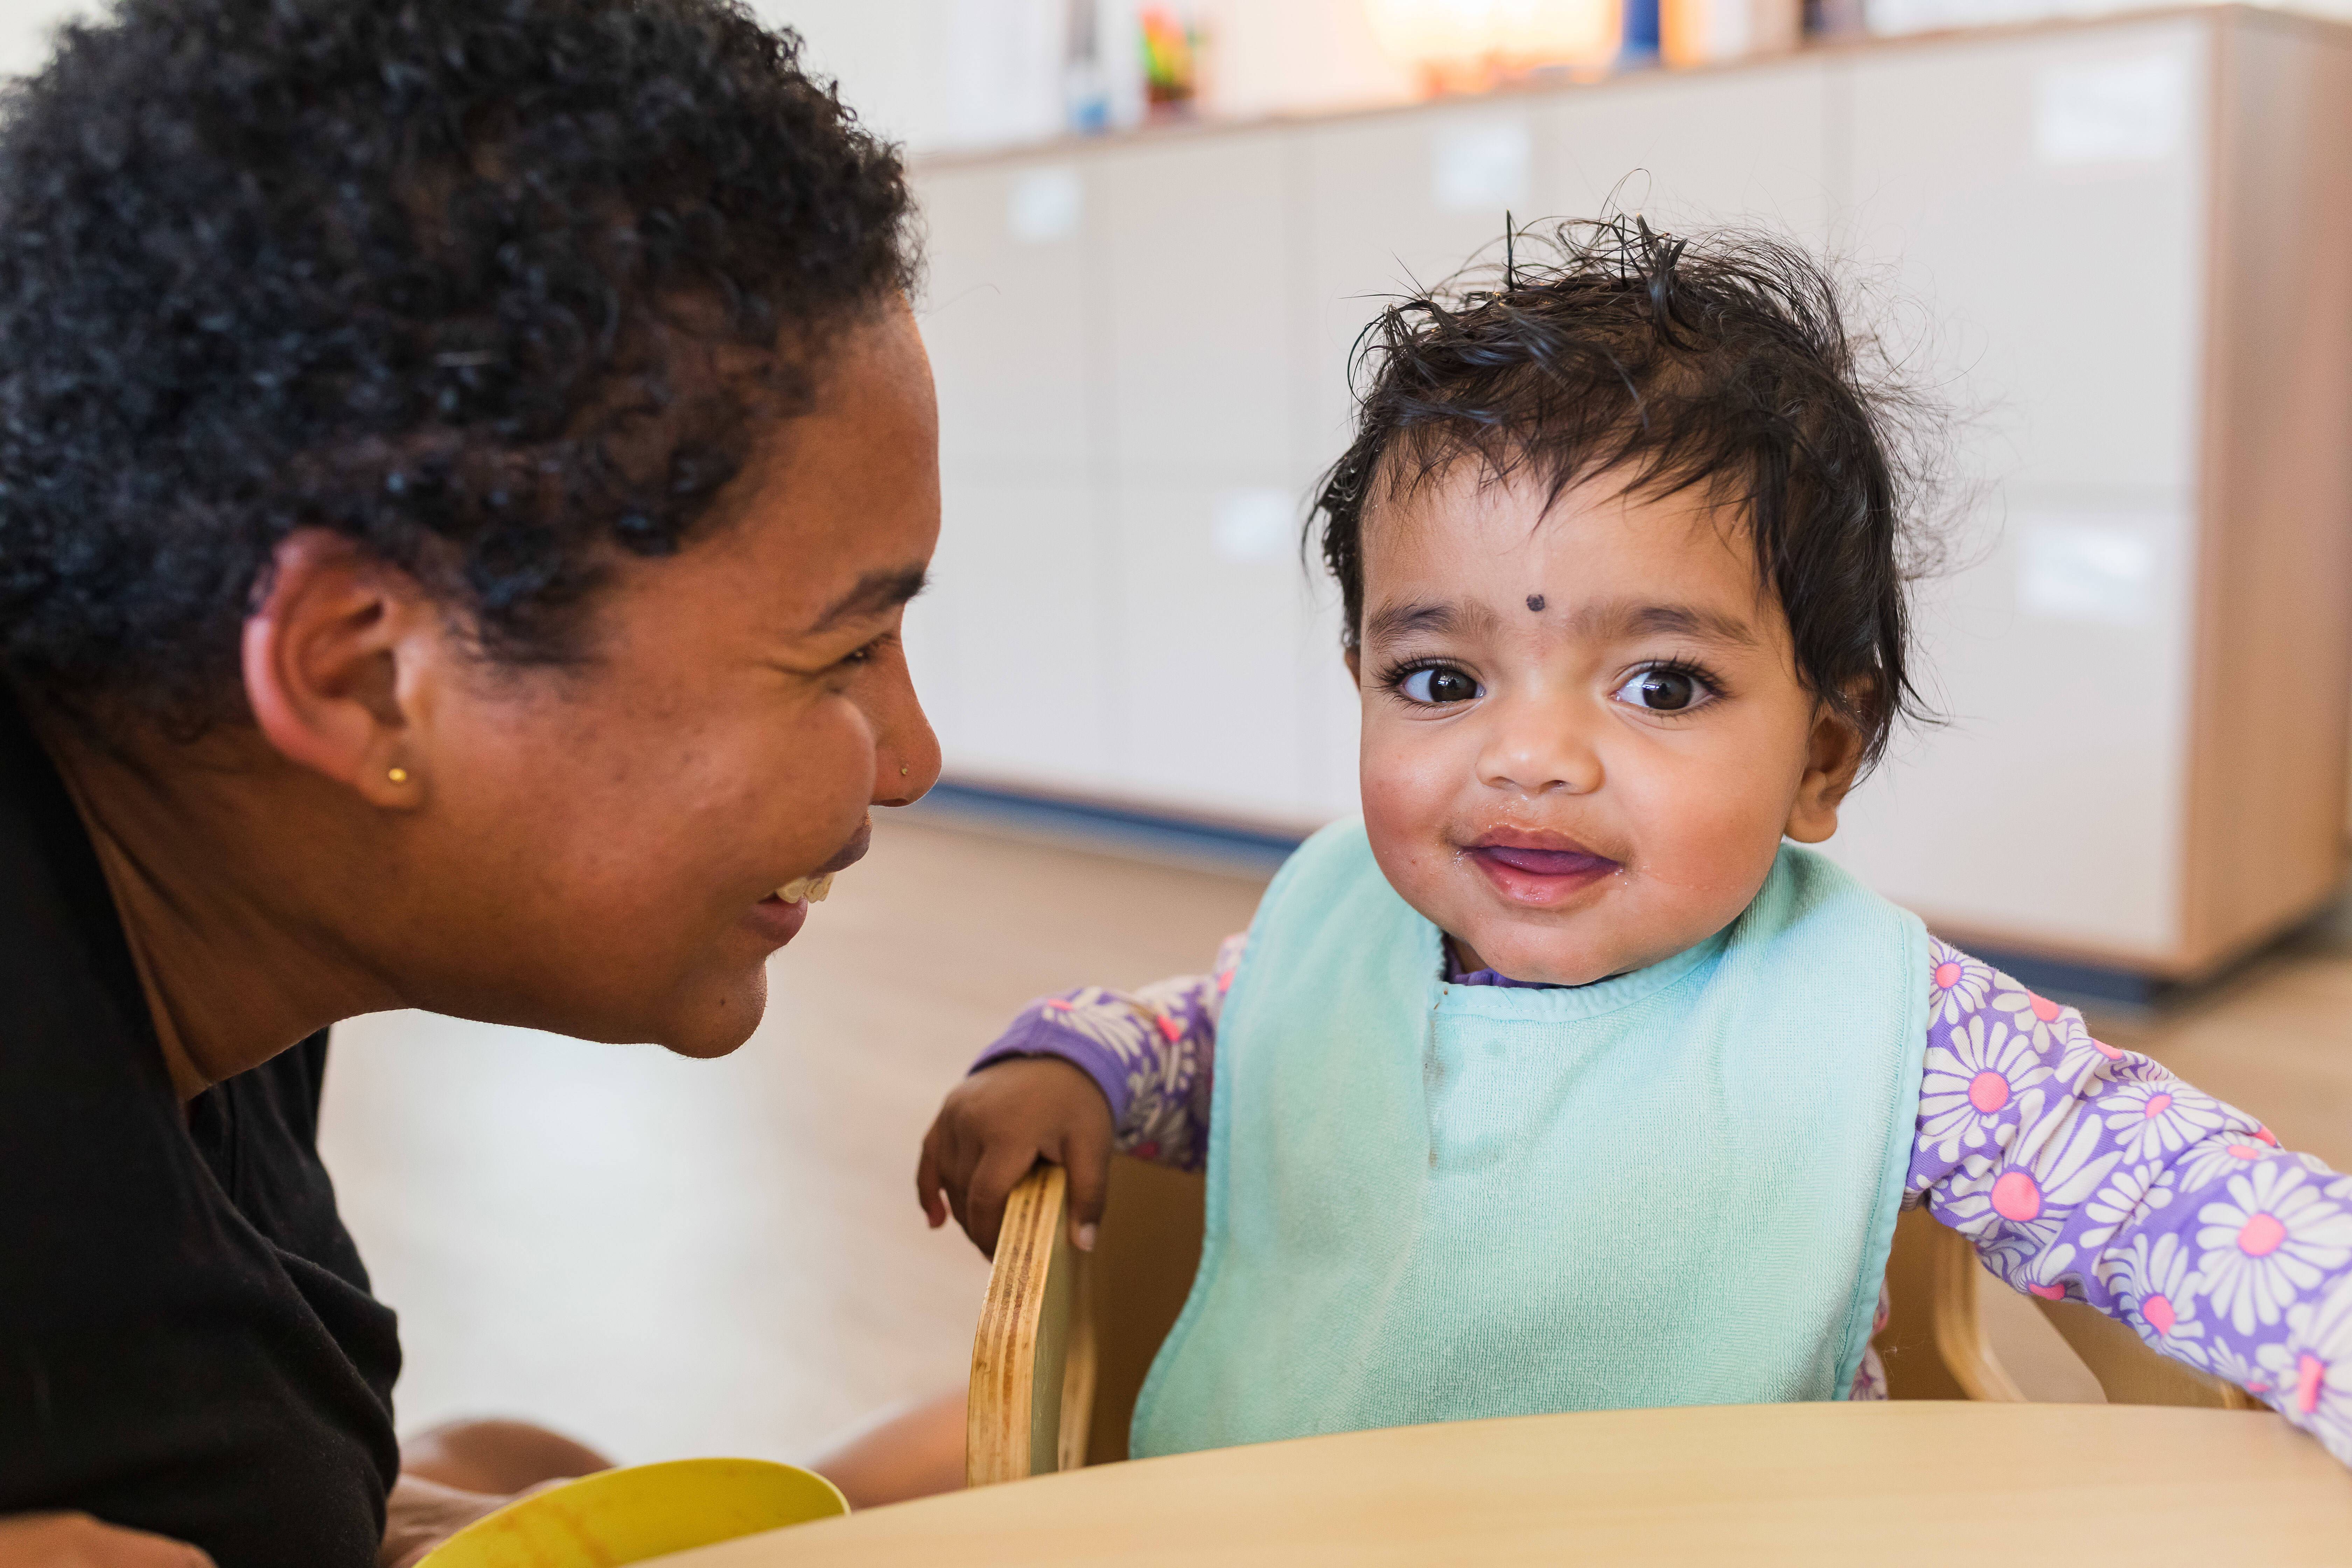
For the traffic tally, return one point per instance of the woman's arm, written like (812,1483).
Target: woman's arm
(2089,1173)
(78,1540)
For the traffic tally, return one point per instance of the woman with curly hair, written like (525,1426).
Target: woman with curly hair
(462,464)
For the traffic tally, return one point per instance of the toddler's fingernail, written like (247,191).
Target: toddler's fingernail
(1085,1238)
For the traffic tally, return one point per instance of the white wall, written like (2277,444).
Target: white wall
(24,31)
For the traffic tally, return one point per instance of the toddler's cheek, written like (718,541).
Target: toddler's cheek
(1406,827)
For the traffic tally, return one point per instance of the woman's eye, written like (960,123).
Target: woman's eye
(1442,685)
(1663,690)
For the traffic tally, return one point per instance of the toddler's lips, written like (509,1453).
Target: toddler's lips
(1539,876)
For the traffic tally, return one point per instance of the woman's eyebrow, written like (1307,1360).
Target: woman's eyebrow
(880,590)
(1436,617)
(1625,619)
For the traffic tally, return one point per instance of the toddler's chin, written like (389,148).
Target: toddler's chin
(1537,957)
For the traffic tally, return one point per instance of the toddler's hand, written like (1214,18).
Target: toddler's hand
(1001,1121)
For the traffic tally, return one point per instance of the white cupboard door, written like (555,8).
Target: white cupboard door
(1201,343)
(1222,651)
(2039,200)
(1395,205)
(1210,601)
(1748,148)
(2045,810)
(1006,648)
(1008,311)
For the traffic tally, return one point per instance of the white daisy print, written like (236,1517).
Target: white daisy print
(2082,1061)
(2225,1362)
(2131,1190)
(1977,1089)
(1105,1018)
(2311,1369)
(1957,988)
(2050,1272)
(2036,1019)
(2029,1199)
(2275,1235)
(2152,1113)
(2157,1289)
(2216,1159)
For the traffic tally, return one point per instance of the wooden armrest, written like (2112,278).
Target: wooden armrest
(1935,1345)
(1032,1359)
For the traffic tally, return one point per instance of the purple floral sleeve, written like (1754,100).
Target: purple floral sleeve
(1150,1052)
(2087,1173)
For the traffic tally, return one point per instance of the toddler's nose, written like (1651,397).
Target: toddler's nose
(1540,747)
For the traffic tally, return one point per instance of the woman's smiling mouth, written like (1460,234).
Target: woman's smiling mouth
(1538,869)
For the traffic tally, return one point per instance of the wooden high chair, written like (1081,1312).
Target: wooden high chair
(1066,1337)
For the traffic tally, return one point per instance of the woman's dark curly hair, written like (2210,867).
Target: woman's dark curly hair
(498,288)
(1723,364)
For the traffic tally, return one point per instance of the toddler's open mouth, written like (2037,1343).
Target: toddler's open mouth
(1540,874)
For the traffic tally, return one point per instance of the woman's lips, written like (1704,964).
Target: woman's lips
(1539,876)
(777,920)
(779,916)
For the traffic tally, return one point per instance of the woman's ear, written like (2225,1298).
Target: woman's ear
(1832,758)
(329,664)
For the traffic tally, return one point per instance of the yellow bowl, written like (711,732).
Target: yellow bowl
(647,1510)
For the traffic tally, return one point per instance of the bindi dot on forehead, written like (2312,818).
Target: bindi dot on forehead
(1535,603)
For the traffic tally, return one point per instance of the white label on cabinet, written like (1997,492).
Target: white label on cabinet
(2098,573)
(1252,524)
(2111,111)
(1889,18)
(1046,205)
(1481,167)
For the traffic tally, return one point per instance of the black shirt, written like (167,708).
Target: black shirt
(187,1344)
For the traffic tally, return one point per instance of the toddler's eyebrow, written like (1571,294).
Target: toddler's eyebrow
(1619,618)
(1438,619)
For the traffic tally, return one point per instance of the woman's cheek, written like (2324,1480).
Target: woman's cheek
(826,765)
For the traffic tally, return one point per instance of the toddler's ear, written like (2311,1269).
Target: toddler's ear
(1833,757)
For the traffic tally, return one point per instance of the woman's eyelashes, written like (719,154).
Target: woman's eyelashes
(1669,688)
(1434,684)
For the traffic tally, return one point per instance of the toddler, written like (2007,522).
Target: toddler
(1566,1077)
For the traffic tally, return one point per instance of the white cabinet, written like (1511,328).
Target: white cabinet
(1011,315)
(2053,271)
(1748,146)
(1007,648)
(2123,250)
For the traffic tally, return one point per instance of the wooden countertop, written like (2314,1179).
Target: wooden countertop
(1918,1482)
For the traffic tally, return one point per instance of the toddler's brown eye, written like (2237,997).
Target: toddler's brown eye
(1661,691)
(1442,685)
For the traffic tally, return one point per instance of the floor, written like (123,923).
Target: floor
(667,1257)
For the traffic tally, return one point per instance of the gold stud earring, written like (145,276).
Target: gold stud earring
(904,770)
(397,776)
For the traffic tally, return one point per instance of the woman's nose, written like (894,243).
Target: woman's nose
(1539,745)
(906,751)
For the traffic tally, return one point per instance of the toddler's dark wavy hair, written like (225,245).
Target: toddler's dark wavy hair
(498,288)
(1723,363)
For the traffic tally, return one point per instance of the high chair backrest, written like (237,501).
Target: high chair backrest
(1067,1337)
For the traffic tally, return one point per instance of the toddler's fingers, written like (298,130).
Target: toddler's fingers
(1085,1155)
(1001,1170)
(956,1157)
(927,1185)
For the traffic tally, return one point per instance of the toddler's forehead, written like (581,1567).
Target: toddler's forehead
(1511,537)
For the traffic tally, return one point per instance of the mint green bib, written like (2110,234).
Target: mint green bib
(1431,1201)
